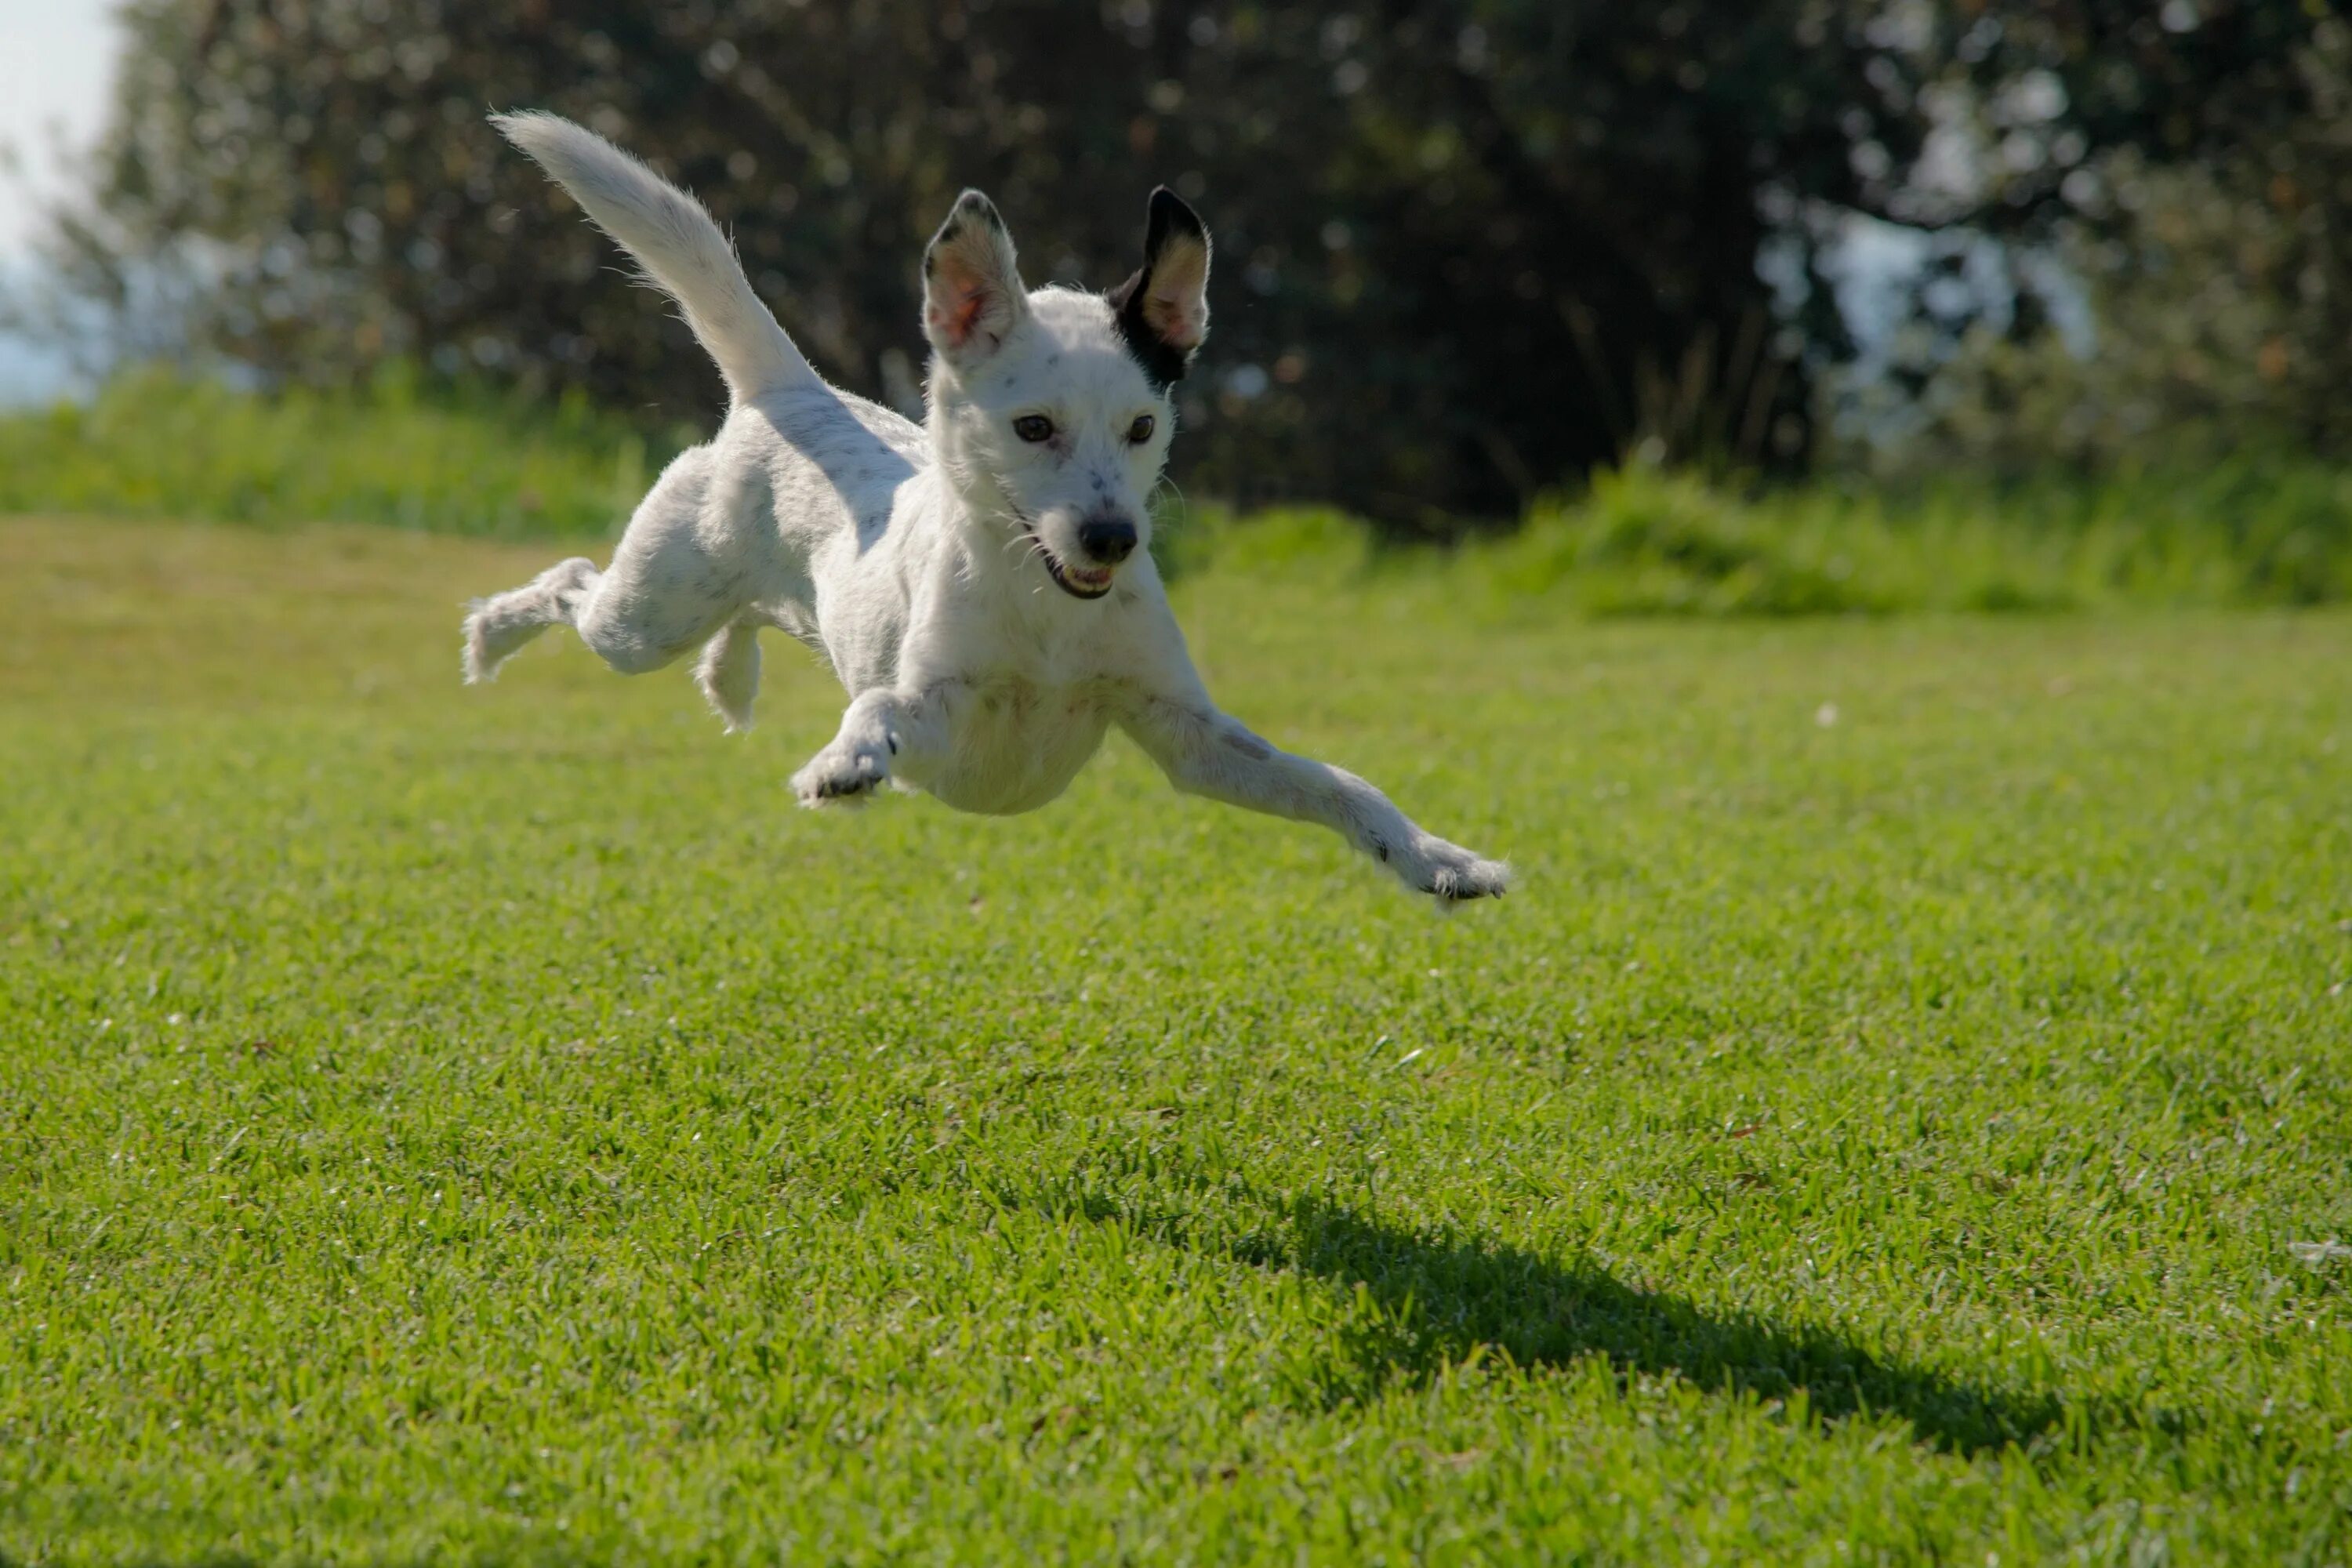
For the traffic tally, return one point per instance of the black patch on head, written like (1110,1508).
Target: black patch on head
(1163,363)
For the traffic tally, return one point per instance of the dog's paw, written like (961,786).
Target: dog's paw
(841,772)
(487,644)
(1449,873)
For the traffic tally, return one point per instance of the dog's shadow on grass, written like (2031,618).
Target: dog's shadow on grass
(1440,1299)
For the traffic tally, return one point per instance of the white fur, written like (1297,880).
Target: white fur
(938,569)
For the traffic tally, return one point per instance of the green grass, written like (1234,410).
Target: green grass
(493,1127)
(157,445)
(2254,532)
(1642,542)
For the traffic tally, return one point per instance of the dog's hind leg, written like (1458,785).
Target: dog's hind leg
(678,574)
(674,582)
(499,625)
(729,672)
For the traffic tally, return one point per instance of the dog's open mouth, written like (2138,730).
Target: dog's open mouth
(1078,581)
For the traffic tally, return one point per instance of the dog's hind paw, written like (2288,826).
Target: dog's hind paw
(483,650)
(840,773)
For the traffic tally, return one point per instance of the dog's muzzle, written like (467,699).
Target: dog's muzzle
(1107,540)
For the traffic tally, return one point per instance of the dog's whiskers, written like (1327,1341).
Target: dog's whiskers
(1026,537)
(1183,501)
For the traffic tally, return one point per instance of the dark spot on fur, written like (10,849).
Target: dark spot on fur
(1053,359)
(1249,746)
(973,204)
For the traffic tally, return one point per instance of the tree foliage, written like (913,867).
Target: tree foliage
(2220,296)
(1465,248)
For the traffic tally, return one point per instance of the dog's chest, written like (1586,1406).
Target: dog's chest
(1017,742)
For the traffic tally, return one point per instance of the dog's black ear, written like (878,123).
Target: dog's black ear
(972,297)
(1163,310)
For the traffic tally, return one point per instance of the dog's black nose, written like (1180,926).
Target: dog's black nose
(1110,539)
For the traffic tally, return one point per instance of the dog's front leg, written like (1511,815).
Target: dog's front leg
(883,729)
(1205,752)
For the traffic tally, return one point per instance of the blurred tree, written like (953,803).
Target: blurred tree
(2219,287)
(1465,248)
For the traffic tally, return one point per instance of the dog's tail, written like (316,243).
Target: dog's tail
(676,242)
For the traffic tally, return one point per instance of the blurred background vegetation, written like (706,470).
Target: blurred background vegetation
(2042,279)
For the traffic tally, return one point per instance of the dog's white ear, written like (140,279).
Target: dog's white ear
(972,297)
(1163,310)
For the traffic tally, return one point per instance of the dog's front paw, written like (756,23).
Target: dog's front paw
(1449,873)
(841,772)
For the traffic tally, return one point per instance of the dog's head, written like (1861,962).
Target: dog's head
(1051,409)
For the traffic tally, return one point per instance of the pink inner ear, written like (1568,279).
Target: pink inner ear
(963,300)
(1175,324)
(1176,308)
(955,309)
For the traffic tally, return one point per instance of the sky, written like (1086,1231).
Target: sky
(57,58)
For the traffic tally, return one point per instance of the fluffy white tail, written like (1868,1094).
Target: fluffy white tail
(673,239)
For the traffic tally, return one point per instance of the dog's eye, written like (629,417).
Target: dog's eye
(1141,431)
(1034,428)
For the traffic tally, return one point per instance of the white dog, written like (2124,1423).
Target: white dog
(915,558)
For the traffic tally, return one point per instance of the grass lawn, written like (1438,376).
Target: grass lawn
(1888,1122)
